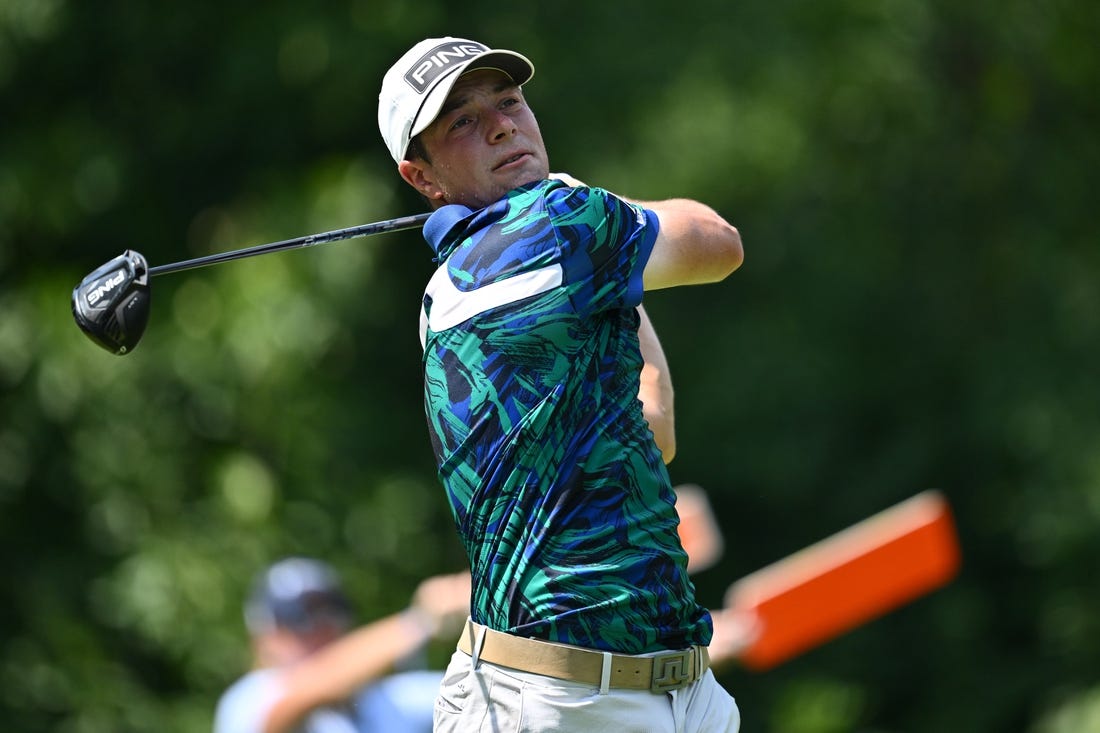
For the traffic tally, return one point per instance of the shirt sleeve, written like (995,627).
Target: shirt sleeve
(244,706)
(403,702)
(605,244)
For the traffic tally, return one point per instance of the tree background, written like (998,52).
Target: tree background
(914,181)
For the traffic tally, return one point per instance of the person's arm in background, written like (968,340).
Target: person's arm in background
(734,632)
(334,672)
(701,536)
(655,391)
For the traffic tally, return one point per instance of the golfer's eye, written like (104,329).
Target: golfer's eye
(460,122)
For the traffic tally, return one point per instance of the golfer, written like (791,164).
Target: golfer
(550,411)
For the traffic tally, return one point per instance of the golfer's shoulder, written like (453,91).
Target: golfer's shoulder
(587,205)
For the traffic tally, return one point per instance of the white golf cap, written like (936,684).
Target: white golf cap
(415,88)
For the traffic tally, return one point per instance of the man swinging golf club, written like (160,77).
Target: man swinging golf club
(549,405)
(536,352)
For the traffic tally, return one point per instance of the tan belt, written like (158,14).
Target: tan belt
(658,673)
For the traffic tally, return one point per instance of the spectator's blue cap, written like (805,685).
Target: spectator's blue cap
(298,594)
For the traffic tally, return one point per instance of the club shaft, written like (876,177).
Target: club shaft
(378,227)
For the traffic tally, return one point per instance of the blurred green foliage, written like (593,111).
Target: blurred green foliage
(914,181)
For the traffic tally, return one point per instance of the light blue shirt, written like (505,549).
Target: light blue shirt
(401,702)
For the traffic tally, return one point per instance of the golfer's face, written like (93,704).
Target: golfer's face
(484,143)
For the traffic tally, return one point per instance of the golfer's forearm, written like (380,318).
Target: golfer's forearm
(655,390)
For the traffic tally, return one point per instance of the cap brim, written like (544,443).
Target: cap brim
(516,66)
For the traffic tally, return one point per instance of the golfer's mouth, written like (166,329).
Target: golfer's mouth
(512,160)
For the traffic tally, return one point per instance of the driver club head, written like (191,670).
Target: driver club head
(111,305)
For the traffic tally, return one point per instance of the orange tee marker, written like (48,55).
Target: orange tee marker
(848,579)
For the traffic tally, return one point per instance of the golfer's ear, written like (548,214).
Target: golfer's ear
(418,174)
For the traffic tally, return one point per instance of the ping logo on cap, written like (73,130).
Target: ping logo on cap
(439,60)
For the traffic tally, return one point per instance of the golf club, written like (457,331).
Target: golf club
(111,304)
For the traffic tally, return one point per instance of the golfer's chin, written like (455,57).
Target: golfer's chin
(494,189)
(525,171)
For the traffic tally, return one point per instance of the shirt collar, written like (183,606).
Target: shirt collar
(440,223)
(440,229)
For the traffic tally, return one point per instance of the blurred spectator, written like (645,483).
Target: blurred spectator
(314,673)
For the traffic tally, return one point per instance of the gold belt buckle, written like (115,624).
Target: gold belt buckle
(672,671)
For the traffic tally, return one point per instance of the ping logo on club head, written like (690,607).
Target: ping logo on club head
(439,60)
(108,284)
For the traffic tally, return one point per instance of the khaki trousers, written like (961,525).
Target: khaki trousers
(497,699)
